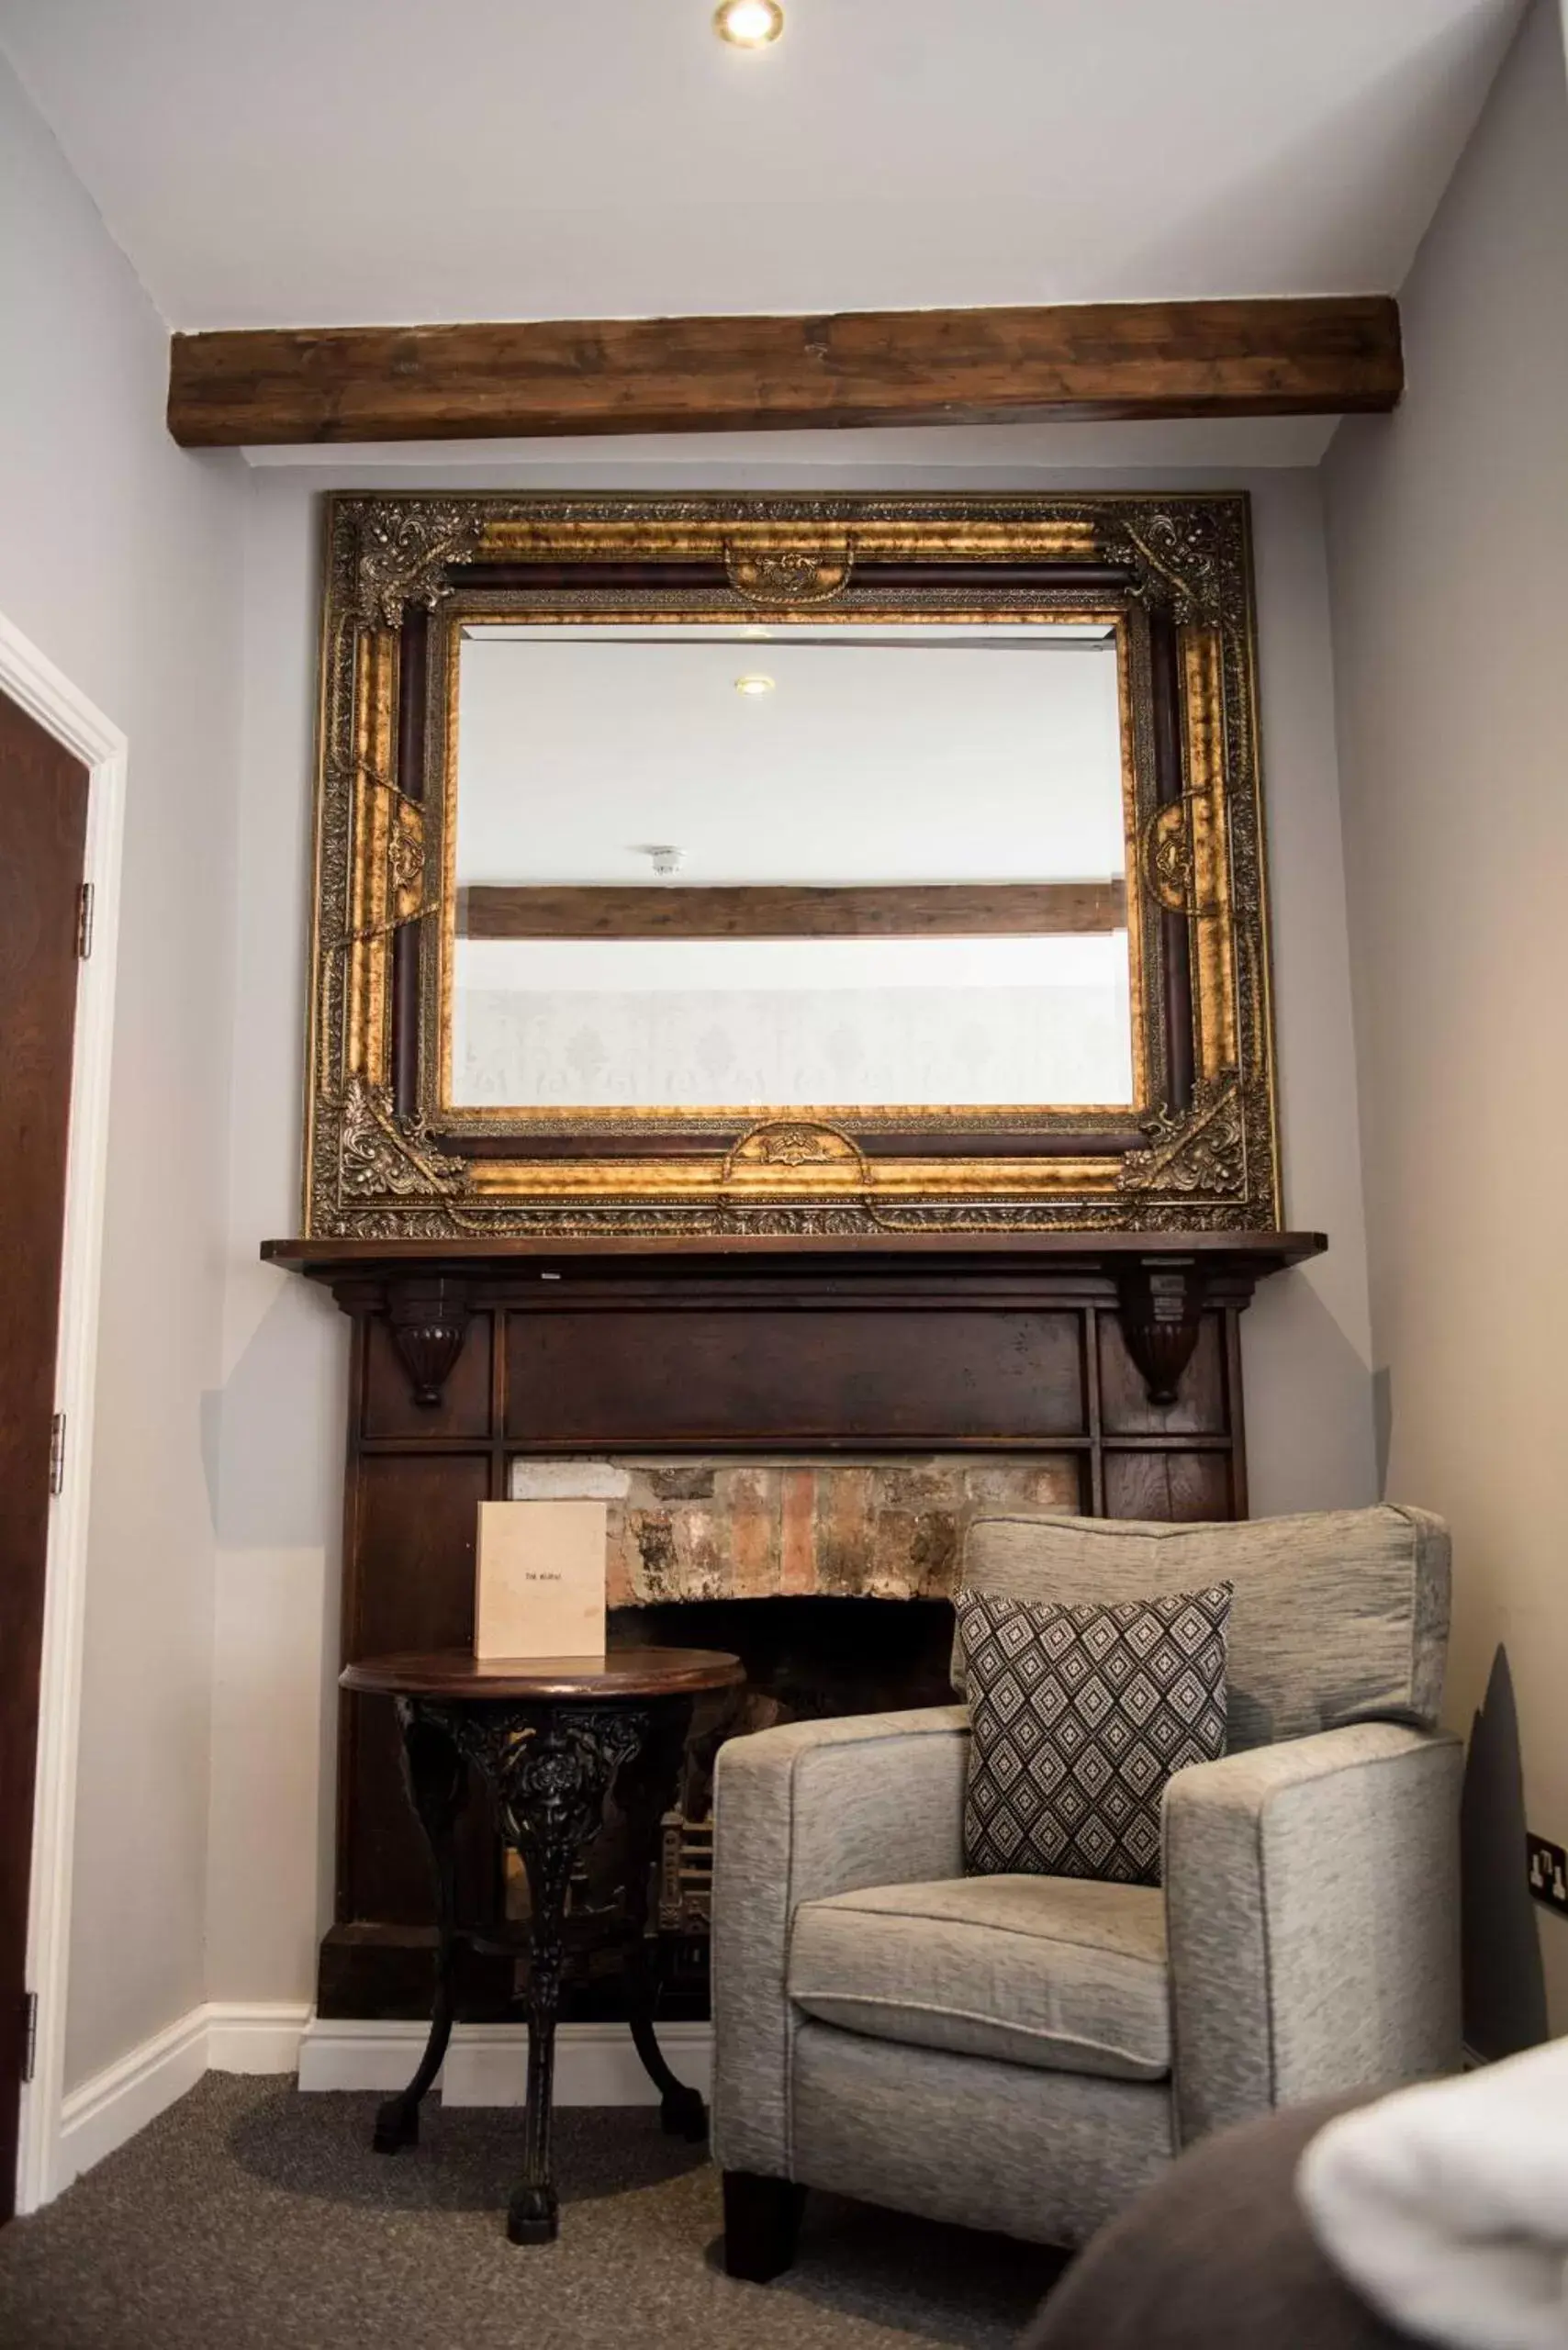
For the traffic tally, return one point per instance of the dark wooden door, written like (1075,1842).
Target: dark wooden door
(43,818)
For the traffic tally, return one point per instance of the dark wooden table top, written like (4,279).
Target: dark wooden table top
(622,1674)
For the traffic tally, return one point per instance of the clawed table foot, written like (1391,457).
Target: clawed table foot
(534,2216)
(396,2125)
(682,2114)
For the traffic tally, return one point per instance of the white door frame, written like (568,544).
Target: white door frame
(33,680)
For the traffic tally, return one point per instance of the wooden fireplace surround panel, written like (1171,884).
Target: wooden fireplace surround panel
(466,1355)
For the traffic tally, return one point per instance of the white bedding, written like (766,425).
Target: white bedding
(1447,2205)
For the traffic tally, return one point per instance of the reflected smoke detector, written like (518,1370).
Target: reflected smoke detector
(663,859)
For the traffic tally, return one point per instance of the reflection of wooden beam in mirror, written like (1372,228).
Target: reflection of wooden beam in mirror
(933,910)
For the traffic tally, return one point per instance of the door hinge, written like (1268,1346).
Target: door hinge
(56,1453)
(30,2034)
(85,920)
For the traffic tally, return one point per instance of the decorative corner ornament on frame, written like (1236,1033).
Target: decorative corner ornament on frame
(386,1154)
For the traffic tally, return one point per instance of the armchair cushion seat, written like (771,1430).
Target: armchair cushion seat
(1061,1974)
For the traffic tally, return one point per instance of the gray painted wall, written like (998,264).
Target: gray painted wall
(118,557)
(1448,543)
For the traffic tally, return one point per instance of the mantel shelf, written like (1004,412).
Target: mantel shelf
(1259,1253)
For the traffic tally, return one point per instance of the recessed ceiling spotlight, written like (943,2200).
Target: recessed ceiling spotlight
(748,23)
(754,683)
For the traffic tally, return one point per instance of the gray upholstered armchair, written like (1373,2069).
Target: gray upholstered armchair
(1025,2052)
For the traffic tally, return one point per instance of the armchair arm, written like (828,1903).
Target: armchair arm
(800,1812)
(1312,1902)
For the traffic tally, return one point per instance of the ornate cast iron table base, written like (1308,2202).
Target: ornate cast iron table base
(549,1760)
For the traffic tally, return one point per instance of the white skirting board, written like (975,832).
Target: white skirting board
(486,2064)
(255,2037)
(126,2095)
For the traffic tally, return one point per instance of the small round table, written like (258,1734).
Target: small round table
(548,1736)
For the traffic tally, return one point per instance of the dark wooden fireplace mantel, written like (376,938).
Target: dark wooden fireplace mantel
(1112,1358)
(1161,1283)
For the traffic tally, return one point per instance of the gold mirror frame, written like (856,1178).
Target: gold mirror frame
(386,1157)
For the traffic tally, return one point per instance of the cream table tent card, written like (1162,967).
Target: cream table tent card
(540,1579)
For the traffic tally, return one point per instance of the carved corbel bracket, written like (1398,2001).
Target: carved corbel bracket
(1161,1303)
(428,1321)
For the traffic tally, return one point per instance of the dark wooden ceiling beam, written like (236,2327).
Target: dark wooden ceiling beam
(1319,355)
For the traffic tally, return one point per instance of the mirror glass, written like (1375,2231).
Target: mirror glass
(850,864)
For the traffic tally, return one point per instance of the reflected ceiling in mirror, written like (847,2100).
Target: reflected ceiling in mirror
(825,866)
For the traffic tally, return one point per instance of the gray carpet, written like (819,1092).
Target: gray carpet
(255,2219)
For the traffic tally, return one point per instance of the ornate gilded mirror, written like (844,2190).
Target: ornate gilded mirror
(728,866)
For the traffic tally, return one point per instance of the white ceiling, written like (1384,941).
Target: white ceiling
(342,161)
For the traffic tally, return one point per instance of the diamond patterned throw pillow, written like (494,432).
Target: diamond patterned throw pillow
(1079,1717)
